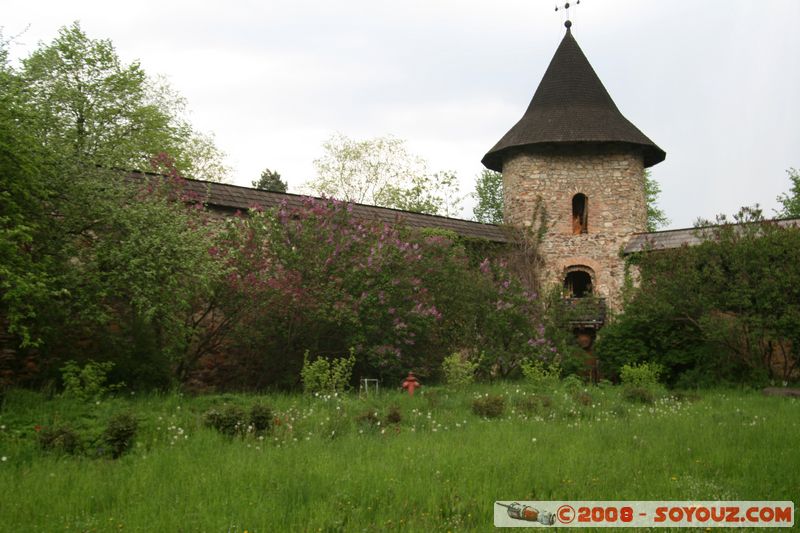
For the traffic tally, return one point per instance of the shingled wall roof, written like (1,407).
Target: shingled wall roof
(664,240)
(571,106)
(230,198)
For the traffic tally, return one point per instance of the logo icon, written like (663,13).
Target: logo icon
(565,514)
(527,513)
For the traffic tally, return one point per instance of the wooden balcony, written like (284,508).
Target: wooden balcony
(588,312)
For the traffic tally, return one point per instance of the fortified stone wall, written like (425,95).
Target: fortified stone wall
(612,180)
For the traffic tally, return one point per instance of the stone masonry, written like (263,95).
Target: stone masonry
(612,179)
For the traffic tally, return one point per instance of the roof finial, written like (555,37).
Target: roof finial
(567,22)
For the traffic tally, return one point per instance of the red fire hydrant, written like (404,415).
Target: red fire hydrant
(411,383)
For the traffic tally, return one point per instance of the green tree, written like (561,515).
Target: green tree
(434,194)
(727,309)
(139,282)
(791,201)
(381,171)
(95,109)
(489,193)
(91,264)
(25,167)
(656,218)
(270,180)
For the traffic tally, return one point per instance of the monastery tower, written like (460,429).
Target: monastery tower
(574,153)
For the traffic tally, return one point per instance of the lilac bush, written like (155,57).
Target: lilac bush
(316,278)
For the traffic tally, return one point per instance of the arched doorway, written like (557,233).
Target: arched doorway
(582,308)
(578,283)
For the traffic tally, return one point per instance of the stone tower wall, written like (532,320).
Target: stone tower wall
(613,181)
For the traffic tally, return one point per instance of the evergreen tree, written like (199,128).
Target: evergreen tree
(270,180)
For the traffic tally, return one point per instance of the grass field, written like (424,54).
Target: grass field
(335,463)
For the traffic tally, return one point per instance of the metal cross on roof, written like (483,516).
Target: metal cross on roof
(565,8)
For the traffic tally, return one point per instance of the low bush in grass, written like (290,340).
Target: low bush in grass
(489,406)
(323,375)
(261,418)
(458,370)
(535,404)
(544,376)
(369,418)
(88,383)
(233,420)
(573,384)
(119,433)
(116,439)
(372,417)
(640,382)
(393,415)
(583,398)
(62,440)
(641,375)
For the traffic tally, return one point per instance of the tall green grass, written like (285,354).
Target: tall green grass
(330,466)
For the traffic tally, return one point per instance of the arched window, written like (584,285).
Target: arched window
(578,284)
(580,214)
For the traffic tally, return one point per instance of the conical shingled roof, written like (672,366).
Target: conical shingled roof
(571,106)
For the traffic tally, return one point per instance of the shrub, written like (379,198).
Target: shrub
(87,383)
(724,311)
(684,396)
(540,374)
(120,432)
(394,416)
(572,384)
(313,277)
(640,382)
(641,375)
(260,418)
(369,417)
(62,440)
(489,406)
(323,375)
(509,327)
(619,410)
(583,398)
(535,404)
(639,394)
(342,371)
(315,375)
(458,370)
(228,420)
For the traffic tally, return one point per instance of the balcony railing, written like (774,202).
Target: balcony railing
(585,312)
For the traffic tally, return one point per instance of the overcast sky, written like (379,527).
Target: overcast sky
(715,83)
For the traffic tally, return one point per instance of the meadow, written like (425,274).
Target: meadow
(388,462)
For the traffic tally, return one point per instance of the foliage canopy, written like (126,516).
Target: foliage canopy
(94,109)
(270,180)
(725,310)
(489,194)
(791,200)
(381,171)
(91,265)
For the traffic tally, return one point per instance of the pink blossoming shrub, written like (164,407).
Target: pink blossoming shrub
(316,278)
